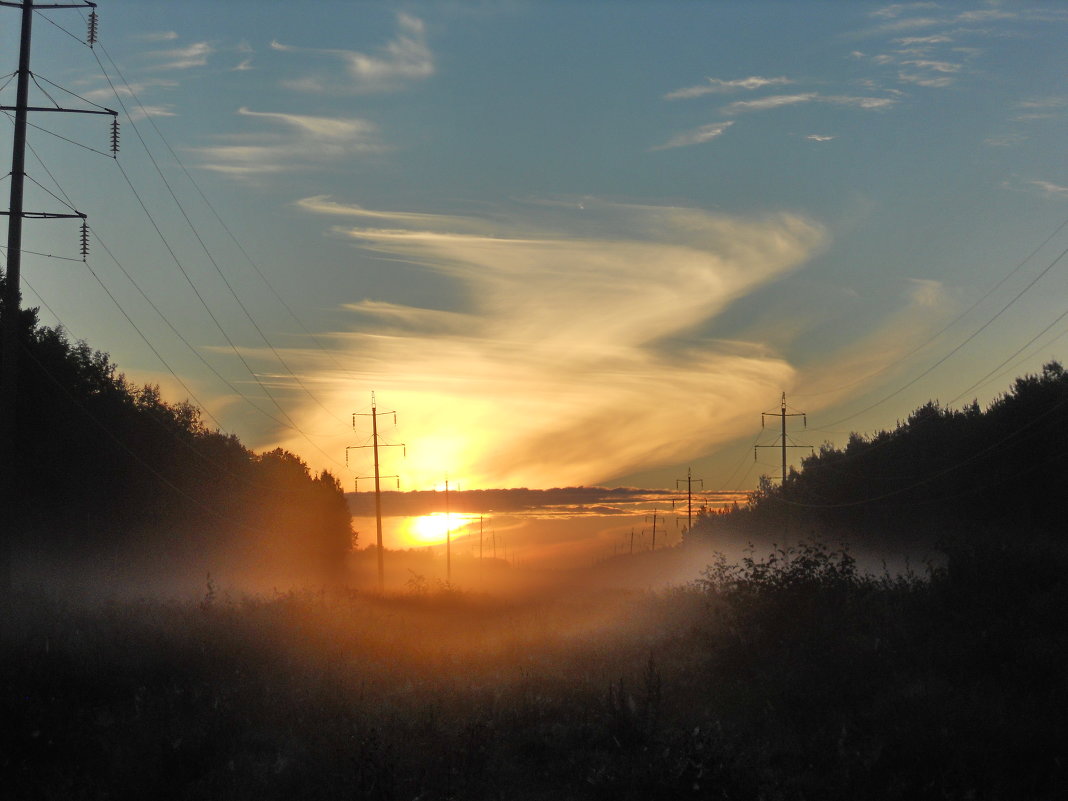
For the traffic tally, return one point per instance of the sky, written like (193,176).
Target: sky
(567,243)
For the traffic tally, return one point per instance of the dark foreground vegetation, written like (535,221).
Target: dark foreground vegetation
(104,467)
(789,677)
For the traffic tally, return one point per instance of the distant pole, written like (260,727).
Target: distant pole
(632,540)
(448,536)
(653,548)
(378,496)
(783,437)
(690,481)
(378,486)
(784,440)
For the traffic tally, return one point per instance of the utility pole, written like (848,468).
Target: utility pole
(448,536)
(784,441)
(654,528)
(378,487)
(690,481)
(12,296)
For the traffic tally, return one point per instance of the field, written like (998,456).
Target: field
(788,676)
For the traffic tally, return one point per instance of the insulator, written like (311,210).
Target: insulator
(92,27)
(85,240)
(114,137)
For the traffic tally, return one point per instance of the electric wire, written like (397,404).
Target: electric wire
(204,247)
(53,194)
(122,445)
(51,21)
(221,221)
(292,423)
(928,479)
(68,91)
(61,137)
(215,264)
(155,308)
(196,292)
(52,378)
(3,249)
(1016,353)
(966,340)
(167,245)
(989,379)
(233,347)
(201,407)
(1019,266)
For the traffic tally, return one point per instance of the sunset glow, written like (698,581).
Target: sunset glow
(596,269)
(433,529)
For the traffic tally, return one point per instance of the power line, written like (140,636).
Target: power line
(948,325)
(967,339)
(218,217)
(233,347)
(207,252)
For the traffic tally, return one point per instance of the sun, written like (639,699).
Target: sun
(432,529)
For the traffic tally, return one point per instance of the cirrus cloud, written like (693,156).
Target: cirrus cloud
(405,58)
(562,333)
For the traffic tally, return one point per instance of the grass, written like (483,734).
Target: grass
(785,677)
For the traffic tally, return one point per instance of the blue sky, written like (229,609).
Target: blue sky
(568,242)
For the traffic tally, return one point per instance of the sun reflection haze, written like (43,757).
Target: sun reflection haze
(433,528)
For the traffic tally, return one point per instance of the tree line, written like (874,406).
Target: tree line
(105,466)
(940,471)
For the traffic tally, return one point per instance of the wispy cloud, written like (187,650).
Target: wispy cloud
(925,292)
(705,133)
(1050,189)
(404,59)
(136,92)
(325,204)
(933,39)
(719,86)
(779,101)
(305,142)
(156,36)
(895,10)
(183,58)
(566,334)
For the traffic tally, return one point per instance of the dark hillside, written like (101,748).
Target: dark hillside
(106,467)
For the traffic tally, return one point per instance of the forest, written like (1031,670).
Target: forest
(941,473)
(106,469)
(791,675)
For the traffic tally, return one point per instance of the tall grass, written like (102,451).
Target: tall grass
(790,676)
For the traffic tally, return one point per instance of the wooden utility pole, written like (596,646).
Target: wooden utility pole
(654,529)
(378,487)
(448,536)
(690,481)
(16,213)
(784,441)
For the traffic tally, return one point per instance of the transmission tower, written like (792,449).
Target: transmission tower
(374,415)
(784,441)
(690,481)
(16,213)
